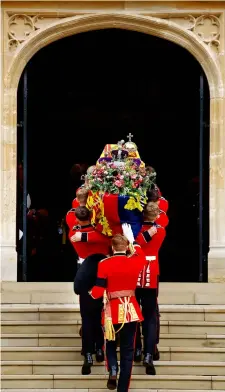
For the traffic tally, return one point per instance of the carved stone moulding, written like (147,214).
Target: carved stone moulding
(22,26)
(206,27)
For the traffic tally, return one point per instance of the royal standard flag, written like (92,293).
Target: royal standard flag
(110,211)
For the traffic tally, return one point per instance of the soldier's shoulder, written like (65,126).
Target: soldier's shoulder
(161,229)
(71,210)
(104,260)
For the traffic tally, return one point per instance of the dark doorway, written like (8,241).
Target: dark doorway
(94,88)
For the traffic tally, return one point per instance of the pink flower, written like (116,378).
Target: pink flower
(134,176)
(119,183)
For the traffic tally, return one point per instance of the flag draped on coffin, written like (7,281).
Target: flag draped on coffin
(110,211)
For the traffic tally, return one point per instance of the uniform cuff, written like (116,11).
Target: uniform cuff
(90,293)
(147,236)
(84,237)
(101,282)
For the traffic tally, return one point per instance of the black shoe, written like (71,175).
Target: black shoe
(137,355)
(82,352)
(148,363)
(100,355)
(156,355)
(112,381)
(88,362)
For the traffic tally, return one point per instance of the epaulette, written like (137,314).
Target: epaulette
(77,227)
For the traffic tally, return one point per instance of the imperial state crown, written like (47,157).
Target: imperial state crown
(121,152)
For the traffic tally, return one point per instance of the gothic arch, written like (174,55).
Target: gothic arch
(15,62)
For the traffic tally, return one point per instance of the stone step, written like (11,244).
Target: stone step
(106,390)
(74,368)
(62,293)
(64,340)
(73,326)
(73,354)
(72,312)
(137,381)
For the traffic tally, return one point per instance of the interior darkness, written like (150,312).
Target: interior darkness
(92,89)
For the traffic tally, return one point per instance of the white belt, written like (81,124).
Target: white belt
(80,260)
(150,258)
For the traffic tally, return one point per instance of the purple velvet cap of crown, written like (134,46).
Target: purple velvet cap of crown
(107,159)
(137,161)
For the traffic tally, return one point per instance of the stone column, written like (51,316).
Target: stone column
(216,258)
(8,187)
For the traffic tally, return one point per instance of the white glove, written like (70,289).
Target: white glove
(20,234)
(125,229)
(76,237)
(128,233)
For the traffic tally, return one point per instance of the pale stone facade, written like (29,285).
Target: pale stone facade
(28,26)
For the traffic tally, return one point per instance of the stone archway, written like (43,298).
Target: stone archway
(24,49)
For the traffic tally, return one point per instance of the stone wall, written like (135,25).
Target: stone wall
(28,26)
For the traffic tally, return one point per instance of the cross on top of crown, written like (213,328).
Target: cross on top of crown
(130,137)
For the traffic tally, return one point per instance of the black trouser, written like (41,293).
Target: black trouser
(157,315)
(127,341)
(147,298)
(92,332)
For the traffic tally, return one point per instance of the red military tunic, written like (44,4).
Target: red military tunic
(163,204)
(91,241)
(75,203)
(163,219)
(148,278)
(71,219)
(118,275)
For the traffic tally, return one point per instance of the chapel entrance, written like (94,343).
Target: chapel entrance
(92,89)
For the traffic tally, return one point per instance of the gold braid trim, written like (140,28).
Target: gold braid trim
(108,325)
(110,333)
